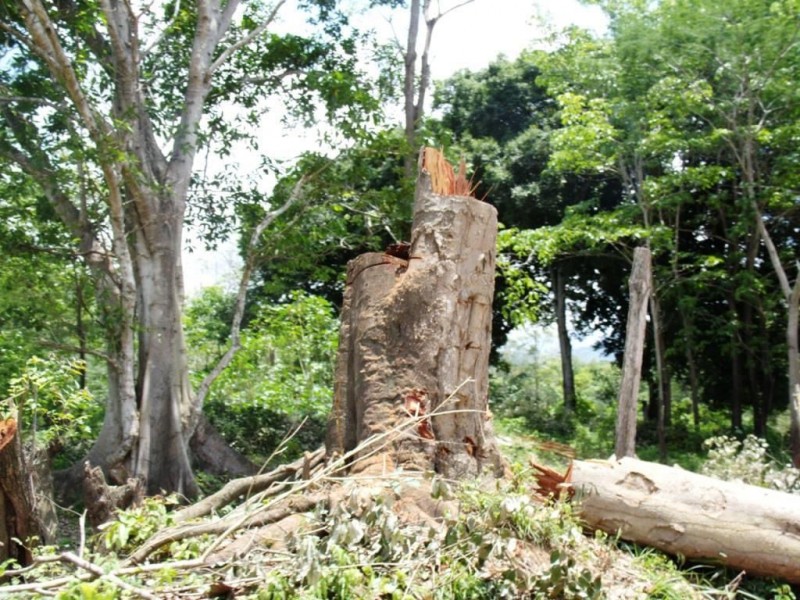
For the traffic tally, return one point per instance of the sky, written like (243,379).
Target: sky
(469,37)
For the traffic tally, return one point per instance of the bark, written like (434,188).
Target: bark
(662,377)
(564,344)
(103,500)
(744,527)
(17,513)
(415,340)
(151,412)
(640,286)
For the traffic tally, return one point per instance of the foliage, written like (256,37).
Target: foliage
(531,394)
(56,412)
(282,373)
(355,201)
(748,461)
(566,580)
(132,527)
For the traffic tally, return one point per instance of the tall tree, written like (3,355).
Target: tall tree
(688,104)
(417,73)
(105,105)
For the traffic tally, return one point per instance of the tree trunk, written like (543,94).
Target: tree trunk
(213,455)
(793,350)
(741,526)
(564,345)
(165,398)
(134,245)
(415,340)
(640,285)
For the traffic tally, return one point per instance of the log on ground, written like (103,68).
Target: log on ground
(744,527)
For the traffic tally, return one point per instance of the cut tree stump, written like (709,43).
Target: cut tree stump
(18,519)
(103,500)
(744,527)
(416,334)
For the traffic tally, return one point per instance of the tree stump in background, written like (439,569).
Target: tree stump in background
(415,338)
(17,501)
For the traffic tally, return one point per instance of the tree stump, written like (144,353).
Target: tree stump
(103,500)
(18,520)
(415,340)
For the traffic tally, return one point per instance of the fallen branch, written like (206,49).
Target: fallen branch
(246,486)
(223,527)
(254,513)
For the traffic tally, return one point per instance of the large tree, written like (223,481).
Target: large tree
(689,105)
(105,106)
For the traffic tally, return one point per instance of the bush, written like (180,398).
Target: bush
(59,415)
(282,374)
(748,461)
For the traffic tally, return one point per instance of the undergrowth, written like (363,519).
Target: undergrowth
(497,542)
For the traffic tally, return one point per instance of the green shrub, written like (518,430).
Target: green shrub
(282,374)
(53,409)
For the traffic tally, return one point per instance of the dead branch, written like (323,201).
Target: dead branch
(298,504)
(246,486)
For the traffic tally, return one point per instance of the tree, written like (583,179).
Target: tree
(687,105)
(504,120)
(106,106)
(416,87)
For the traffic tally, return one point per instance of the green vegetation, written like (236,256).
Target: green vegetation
(281,377)
(496,543)
(678,130)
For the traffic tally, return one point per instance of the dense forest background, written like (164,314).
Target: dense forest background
(677,129)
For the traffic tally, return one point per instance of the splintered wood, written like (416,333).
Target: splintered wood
(444,179)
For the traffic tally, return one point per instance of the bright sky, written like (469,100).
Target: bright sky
(470,37)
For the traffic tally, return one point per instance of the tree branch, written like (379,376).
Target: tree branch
(241,296)
(774,257)
(229,51)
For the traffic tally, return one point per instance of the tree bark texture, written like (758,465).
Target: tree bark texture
(743,527)
(640,286)
(17,501)
(415,340)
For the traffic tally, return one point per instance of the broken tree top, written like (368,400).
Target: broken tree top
(444,179)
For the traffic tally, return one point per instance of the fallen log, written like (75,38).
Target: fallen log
(744,527)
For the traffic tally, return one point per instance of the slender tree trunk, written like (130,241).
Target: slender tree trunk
(640,286)
(662,377)
(415,89)
(564,344)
